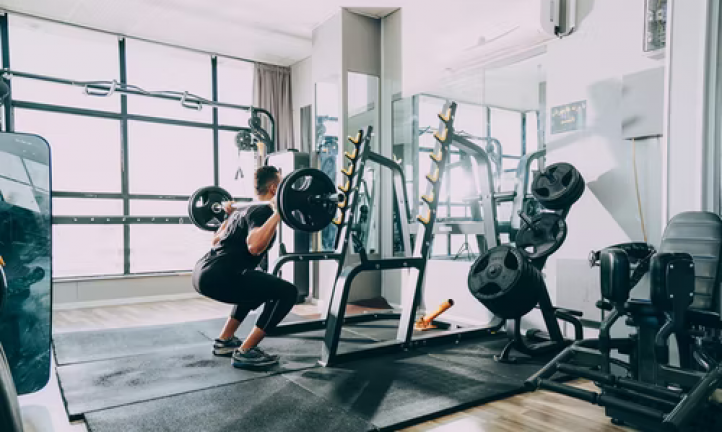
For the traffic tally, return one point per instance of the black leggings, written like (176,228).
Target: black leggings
(247,290)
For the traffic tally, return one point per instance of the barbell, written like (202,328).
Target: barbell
(307,201)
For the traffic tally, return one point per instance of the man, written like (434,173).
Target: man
(228,273)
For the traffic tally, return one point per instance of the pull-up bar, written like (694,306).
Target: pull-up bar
(187,100)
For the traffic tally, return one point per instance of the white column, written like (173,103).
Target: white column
(685,161)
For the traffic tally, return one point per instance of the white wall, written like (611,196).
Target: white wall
(589,65)
(688,93)
(391,80)
(326,63)
(301,94)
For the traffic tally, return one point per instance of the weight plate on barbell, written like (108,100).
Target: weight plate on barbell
(295,195)
(205,207)
(559,186)
(544,237)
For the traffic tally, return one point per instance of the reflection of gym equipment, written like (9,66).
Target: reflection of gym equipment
(307,201)
(508,279)
(647,391)
(484,221)
(10,419)
(25,258)
(327,153)
(362,224)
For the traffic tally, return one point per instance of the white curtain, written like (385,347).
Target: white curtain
(272,91)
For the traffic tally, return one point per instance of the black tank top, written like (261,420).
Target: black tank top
(233,246)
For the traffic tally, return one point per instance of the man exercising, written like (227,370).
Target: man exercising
(229,274)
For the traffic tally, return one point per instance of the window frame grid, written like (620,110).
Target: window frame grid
(123,117)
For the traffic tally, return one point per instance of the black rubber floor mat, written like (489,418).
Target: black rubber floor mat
(395,391)
(382,330)
(272,404)
(78,347)
(108,383)
(478,354)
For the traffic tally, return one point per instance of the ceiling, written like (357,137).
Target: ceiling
(270,31)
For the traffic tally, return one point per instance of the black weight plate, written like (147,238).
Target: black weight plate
(523,297)
(294,204)
(505,282)
(201,207)
(550,233)
(553,187)
(569,200)
(493,274)
(244,141)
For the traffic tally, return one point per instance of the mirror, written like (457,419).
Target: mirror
(363,94)
(25,247)
(326,147)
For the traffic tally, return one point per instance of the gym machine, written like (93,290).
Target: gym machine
(647,391)
(508,280)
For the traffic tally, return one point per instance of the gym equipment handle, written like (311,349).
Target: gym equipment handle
(602,400)
(564,389)
(611,380)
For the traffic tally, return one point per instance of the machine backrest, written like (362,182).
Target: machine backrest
(700,235)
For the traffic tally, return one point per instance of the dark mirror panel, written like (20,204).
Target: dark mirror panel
(25,247)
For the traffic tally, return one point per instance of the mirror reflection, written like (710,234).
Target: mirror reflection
(327,135)
(25,246)
(363,93)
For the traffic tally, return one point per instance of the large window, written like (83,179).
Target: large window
(112,160)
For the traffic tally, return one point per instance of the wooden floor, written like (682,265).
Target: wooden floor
(146,314)
(530,412)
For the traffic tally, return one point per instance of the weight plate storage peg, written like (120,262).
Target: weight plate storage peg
(204,209)
(505,282)
(558,187)
(303,200)
(540,236)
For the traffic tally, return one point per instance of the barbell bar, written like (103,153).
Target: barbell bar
(307,201)
(316,199)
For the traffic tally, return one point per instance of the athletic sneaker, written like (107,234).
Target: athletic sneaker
(225,348)
(253,358)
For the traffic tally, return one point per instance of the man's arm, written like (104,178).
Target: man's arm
(259,238)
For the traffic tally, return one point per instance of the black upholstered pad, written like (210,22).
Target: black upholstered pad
(700,235)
